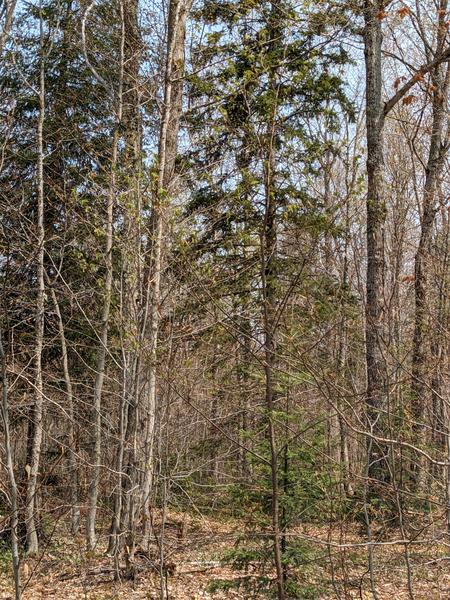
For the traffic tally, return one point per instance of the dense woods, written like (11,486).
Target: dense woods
(225,276)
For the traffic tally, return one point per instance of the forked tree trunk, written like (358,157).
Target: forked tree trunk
(123,522)
(168,144)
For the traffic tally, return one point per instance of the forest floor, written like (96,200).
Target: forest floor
(66,571)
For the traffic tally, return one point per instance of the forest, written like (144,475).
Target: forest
(224,299)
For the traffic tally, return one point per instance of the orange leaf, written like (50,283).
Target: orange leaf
(398,81)
(381,15)
(404,11)
(409,100)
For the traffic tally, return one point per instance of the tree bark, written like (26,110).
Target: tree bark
(14,521)
(168,144)
(37,411)
(269,245)
(105,318)
(268,264)
(438,149)
(8,11)
(73,466)
(376,397)
(126,459)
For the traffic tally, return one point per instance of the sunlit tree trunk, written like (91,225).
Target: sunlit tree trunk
(105,313)
(123,523)
(8,7)
(438,149)
(37,411)
(168,144)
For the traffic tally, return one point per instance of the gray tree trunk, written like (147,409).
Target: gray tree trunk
(37,412)
(105,316)
(8,12)
(14,521)
(123,523)
(168,144)
(73,466)
(438,149)
(376,397)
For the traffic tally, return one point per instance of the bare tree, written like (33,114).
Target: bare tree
(438,149)
(73,466)
(108,285)
(168,143)
(38,407)
(125,505)
(376,113)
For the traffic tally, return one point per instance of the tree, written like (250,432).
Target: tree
(376,113)
(164,189)
(438,148)
(37,414)
(272,80)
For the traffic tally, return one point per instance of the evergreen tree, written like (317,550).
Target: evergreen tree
(259,90)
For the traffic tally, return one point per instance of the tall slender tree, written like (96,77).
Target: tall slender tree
(438,148)
(164,190)
(38,407)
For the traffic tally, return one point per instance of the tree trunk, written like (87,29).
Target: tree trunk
(269,299)
(73,466)
(268,263)
(37,412)
(376,398)
(14,521)
(100,366)
(124,500)
(437,152)
(10,6)
(105,317)
(168,144)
